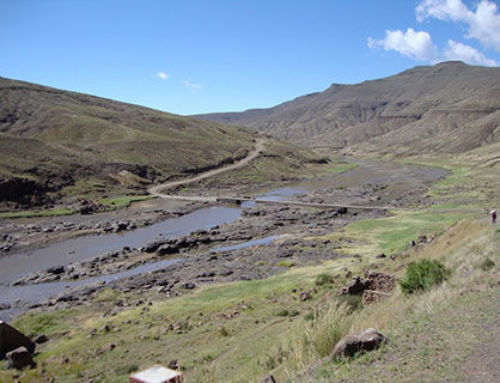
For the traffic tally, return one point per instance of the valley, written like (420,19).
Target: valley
(131,237)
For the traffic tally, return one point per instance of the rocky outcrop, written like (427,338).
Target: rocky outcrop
(367,340)
(20,358)
(11,339)
(21,190)
(268,379)
(374,281)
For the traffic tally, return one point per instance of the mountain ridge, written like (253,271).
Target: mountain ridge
(54,141)
(449,107)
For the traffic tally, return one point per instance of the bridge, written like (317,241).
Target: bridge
(238,200)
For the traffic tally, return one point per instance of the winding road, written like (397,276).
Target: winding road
(157,189)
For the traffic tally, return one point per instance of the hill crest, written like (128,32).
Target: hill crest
(449,107)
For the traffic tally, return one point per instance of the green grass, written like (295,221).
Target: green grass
(45,323)
(112,202)
(229,342)
(41,213)
(285,264)
(393,234)
(341,167)
(124,200)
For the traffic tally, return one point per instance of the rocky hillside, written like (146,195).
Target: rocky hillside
(450,108)
(56,143)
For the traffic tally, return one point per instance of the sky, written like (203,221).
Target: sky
(201,56)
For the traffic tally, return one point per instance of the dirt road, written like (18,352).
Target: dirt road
(157,189)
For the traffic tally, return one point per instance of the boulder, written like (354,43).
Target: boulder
(355,286)
(367,340)
(42,338)
(305,296)
(268,379)
(373,280)
(11,339)
(380,281)
(20,358)
(56,270)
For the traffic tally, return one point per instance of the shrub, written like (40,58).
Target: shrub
(487,264)
(288,313)
(285,264)
(422,275)
(323,279)
(327,328)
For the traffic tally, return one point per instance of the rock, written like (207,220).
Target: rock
(11,339)
(342,210)
(374,281)
(56,270)
(4,306)
(380,281)
(355,286)
(381,255)
(189,286)
(152,247)
(305,296)
(173,364)
(422,239)
(168,249)
(268,379)
(367,340)
(106,348)
(20,358)
(42,338)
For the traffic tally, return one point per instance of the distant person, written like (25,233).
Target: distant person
(493,215)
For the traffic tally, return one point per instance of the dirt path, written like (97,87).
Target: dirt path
(157,189)
(483,365)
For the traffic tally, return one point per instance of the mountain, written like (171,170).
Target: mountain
(447,108)
(66,143)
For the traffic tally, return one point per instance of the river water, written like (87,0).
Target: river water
(88,247)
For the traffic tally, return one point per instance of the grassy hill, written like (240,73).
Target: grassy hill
(55,143)
(447,108)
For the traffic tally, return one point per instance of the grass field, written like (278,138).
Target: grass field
(41,213)
(124,200)
(241,331)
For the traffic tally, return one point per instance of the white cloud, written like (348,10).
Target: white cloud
(462,52)
(414,44)
(483,23)
(193,87)
(453,10)
(418,46)
(162,76)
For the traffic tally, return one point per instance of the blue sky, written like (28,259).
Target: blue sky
(190,57)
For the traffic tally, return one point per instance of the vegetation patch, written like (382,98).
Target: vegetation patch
(393,234)
(40,213)
(285,264)
(324,279)
(124,200)
(422,275)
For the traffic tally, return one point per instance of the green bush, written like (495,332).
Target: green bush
(487,265)
(422,275)
(288,313)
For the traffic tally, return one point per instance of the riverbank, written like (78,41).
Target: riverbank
(90,256)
